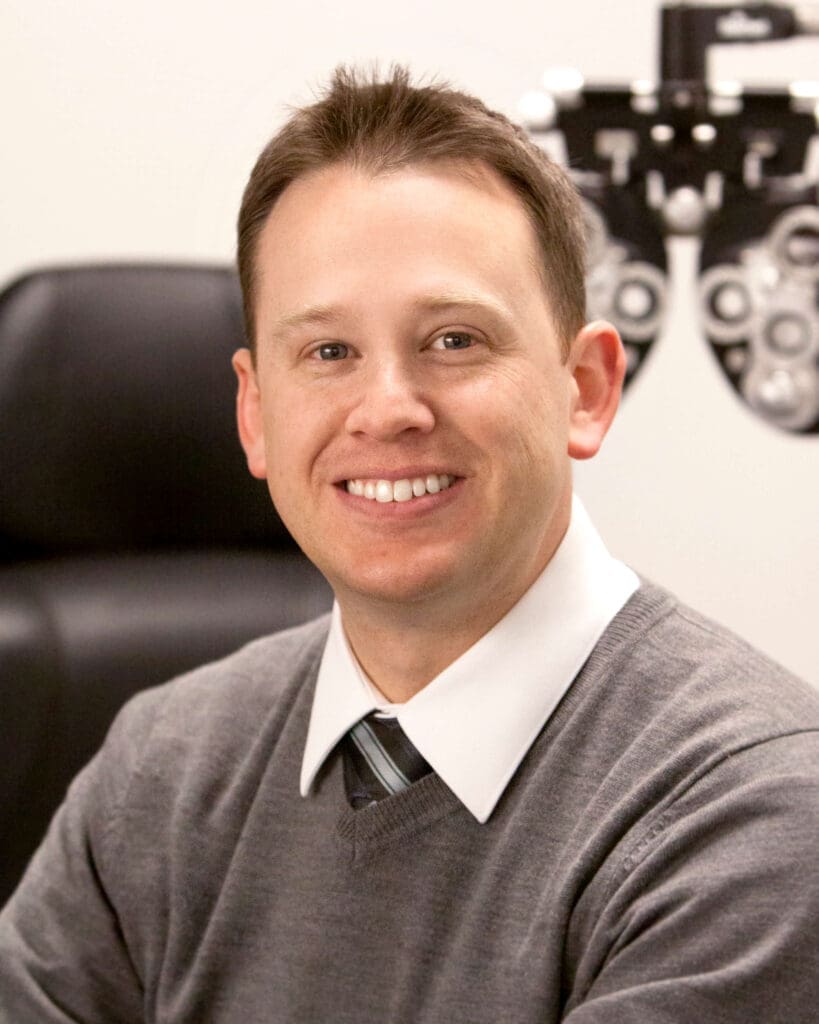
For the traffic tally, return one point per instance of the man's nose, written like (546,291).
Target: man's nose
(390,401)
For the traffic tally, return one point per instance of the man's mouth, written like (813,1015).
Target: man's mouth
(400,490)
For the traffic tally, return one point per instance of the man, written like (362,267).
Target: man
(596,806)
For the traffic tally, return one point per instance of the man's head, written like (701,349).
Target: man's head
(384,126)
(414,397)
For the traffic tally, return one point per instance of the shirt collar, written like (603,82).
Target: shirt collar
(475,721)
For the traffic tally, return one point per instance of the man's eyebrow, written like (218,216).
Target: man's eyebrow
(318,315)
(462,300)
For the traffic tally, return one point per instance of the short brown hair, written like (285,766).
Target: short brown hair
(385,125)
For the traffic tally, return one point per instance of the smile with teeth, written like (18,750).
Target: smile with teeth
(400,490)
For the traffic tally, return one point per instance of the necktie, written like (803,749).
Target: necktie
(379,760)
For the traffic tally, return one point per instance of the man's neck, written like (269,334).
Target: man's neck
(401,659)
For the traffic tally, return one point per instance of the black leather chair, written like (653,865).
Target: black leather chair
(133,542)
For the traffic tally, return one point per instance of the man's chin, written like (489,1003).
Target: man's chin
(407,586)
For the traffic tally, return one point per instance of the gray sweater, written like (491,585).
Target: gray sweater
(653,860)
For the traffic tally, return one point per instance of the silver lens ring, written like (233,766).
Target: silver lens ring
(727,304)
(787,398)
(638,300)
(790,333)
(794,243)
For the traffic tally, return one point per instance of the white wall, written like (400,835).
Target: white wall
(128,131)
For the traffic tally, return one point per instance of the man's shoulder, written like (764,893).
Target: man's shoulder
(225,701)
(677,659)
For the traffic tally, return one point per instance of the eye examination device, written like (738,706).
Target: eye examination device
(736,167)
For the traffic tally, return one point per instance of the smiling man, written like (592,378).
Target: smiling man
(507,780)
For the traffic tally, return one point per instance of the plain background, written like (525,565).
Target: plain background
(129,131)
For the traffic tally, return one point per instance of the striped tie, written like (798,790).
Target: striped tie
(379,760)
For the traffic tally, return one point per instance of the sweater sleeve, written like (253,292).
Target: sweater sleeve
(714,916)
(62,954)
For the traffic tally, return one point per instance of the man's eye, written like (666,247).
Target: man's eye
(331,350)
(453,340)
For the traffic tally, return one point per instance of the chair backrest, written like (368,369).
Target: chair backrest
(133,542)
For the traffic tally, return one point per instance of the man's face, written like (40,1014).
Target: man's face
(404,337)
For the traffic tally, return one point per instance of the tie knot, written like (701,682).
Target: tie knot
(379,760)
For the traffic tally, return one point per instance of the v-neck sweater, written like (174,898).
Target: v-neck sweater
(653,859)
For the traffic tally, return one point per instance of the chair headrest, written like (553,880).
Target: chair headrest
(117,426)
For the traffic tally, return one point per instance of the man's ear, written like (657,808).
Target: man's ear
(598,365)
(249,413)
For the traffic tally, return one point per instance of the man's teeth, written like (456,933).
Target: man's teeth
(400,490)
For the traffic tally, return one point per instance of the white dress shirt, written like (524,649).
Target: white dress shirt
(475,721)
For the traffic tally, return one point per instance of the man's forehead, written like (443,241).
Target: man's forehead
(342,197)
(313,196)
